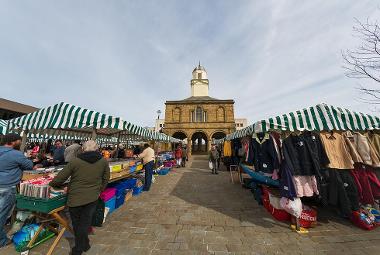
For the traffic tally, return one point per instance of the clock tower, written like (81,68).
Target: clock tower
(199,83)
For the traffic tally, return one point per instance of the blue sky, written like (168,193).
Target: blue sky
(127,57)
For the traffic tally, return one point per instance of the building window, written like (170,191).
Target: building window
(199,76)
(199,114)
(220,115)
(177,114)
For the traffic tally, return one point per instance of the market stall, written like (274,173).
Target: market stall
(3,127)
(68,122)
(318,156)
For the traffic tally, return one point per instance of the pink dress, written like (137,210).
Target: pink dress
(305,186)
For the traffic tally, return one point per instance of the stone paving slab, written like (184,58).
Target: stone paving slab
(191,211)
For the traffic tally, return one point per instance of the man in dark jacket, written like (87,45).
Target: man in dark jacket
(12,163)
(90,174)
(59,153)
(213,156)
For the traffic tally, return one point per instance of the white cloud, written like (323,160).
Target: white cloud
(126,58)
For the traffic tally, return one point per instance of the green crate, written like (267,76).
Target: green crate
(40,204)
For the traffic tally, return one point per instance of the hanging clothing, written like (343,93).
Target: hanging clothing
(342,190)
(298,153)
(367,183)
(374,138)
(306,186)
(366,150)
(262,153)
(351,145)
(337,151)
(227,149)
(317,151)
(287,187)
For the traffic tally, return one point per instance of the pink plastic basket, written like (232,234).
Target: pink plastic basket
(107,194)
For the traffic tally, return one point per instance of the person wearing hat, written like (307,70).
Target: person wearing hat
(12,163)
(213,156)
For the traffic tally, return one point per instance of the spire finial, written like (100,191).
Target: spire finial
(199,65)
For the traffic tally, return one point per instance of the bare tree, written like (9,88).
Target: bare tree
(363,62)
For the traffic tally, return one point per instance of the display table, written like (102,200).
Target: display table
(46,220)
(120,175)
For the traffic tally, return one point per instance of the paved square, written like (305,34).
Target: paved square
(191,211)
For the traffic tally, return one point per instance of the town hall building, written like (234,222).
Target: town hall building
(199,119)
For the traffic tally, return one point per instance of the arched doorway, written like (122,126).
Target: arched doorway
(199,143)
(218,135)
(181,136)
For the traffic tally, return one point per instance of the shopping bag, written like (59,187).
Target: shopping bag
(210,165)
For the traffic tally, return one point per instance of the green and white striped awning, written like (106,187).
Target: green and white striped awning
(321,117)
(3,127)
(65,119)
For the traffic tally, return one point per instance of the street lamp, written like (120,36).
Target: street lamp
(158,113)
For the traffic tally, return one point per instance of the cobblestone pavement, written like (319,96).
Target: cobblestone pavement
(191,211)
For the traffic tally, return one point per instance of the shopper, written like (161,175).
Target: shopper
(12,163)
(178,155)
(89,174)
(184,156)
(213,157)
(148,160)
(72,151)
(58,153)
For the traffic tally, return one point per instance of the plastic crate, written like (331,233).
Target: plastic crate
(40,204)
(132,169)
(163,171)
(120,199)
(111,204)
(107,194)
(129,183)
(137,190)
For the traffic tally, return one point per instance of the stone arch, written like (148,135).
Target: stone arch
(180,134)
(199,142)
(177,114)
(218,134)
(220,114)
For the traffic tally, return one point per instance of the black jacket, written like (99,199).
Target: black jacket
(305,154)
(262,153)
(318,154)
(342,190)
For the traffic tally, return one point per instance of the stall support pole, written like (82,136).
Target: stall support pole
(23,140)
(117,145)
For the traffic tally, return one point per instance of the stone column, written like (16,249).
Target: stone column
(189,146)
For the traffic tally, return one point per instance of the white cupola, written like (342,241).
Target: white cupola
(199,82)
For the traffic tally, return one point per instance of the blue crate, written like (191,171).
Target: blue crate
(121,186)
(132,169)
(111,204)
(120,199)
(137,190)
(164,171)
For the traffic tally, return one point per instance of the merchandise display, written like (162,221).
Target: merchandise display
(315,157)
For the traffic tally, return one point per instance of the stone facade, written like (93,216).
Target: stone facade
(199,117)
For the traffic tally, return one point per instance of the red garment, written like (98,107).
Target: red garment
(367,183)
(178,153)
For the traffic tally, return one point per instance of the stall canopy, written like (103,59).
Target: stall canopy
(3,127)
(65,119)
(321,117)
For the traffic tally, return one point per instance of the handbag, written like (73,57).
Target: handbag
(210,165)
